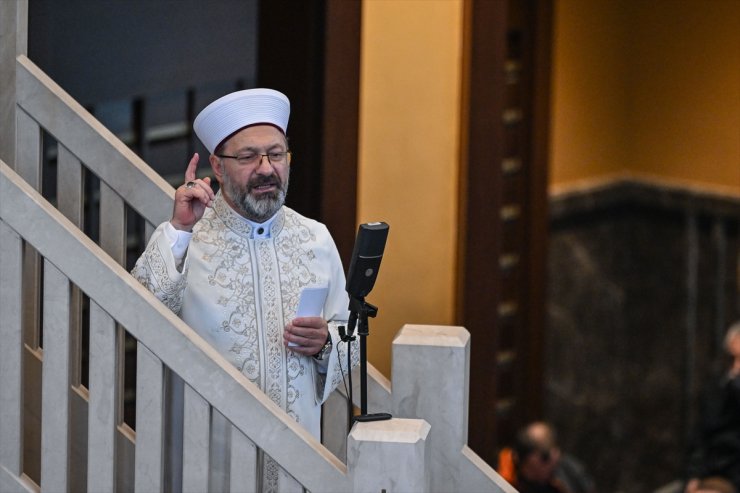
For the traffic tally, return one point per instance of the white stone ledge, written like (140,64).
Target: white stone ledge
(392,430)
(432,335)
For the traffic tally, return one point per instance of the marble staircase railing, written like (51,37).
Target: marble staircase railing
(74,438)
(117,300)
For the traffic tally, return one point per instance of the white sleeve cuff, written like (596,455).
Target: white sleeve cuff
(179,240)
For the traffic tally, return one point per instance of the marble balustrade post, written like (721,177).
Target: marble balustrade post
(390,456)
(430,381)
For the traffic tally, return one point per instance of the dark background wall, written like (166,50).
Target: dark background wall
(643,282)
(101,51)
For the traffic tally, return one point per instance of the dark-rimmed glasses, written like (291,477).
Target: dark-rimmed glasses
(255,158)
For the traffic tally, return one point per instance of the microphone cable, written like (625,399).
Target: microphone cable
(348,391)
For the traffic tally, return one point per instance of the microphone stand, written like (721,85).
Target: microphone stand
(360,310)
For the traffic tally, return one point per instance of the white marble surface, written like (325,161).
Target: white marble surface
(104,383)
(56,381)
(392,430)
(391,456)
(11,350)
(432,335)
(149,474)
(431,366)
(14,35)
(195,446)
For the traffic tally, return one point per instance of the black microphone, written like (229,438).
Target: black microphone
(366,257)
(361,276)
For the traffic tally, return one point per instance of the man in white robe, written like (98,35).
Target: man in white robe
(233,264)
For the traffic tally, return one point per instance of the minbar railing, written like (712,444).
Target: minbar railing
(59,288)
(431,365)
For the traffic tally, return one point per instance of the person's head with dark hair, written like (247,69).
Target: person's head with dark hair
(541,467)
(535,460)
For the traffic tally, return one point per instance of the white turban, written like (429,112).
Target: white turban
(237,110)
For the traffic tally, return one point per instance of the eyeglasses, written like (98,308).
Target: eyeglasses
(255,158)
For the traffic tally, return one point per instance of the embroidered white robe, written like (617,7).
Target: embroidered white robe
(238,293)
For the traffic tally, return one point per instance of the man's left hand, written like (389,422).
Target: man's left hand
(309,333)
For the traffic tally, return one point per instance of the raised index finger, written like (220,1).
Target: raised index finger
(192,167)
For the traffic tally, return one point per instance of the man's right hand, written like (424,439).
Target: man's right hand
(191,198)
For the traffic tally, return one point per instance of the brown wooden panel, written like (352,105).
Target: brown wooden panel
(537,199)
(341,122)
(503,219)
(290,58)
(480,241)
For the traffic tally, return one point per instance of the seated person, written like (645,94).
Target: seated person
(534,467)
(714,458)
(536,464)
(568,470)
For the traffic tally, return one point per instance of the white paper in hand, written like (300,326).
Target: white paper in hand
(311,303)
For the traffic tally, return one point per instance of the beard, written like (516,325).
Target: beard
(257,208)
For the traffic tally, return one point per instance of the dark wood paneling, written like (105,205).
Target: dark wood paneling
(538,205)
(311,52)
(479,293)
(341,122)
(503,220)
(290,59)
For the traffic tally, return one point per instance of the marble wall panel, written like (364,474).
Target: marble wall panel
(642,283)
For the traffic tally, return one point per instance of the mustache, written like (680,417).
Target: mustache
(259,181)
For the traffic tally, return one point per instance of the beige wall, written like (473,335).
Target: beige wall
(684,91)
(647,88)
(409,119)
(589,87)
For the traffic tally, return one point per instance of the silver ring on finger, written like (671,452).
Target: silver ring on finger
(190,184)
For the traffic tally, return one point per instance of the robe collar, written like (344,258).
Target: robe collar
(243,226)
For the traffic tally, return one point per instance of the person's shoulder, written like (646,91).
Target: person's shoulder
(574,473)
(571,462)
(294,218)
